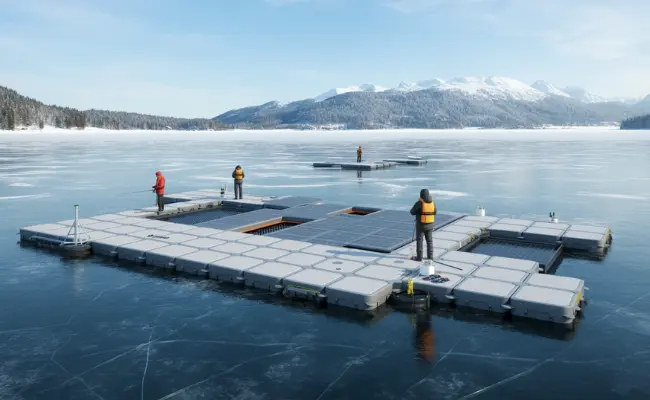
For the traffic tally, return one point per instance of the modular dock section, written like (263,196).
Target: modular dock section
(407,161)
(350,256)
(361,166)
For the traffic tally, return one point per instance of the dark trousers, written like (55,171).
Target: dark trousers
(358,157)
(427,232)
(160,201)
(238,190)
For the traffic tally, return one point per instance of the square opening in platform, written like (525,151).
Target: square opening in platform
(361,211)
(272,227)
(547,255)
(197,217)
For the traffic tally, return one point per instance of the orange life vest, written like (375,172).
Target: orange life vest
(427,217)
(239,174)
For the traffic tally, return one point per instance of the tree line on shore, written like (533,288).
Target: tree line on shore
(18,111)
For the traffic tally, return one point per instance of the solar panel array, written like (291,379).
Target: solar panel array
(313,212)
(383,231)
(291,201)
(202,216)
(241,220)
(325,223)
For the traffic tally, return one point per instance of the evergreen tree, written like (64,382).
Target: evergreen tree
(11,120)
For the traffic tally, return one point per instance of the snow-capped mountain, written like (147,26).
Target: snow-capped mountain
(549,88)
(366,87)
(486,87)
(494,87)
(583,95)
(422,85)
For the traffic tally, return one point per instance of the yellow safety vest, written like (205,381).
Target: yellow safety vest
(427,212)
(239,174)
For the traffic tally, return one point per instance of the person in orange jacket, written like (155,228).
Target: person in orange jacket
(159,188)
(359,154)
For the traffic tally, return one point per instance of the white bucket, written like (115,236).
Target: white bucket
(426,269)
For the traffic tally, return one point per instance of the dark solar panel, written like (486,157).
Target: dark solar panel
(202,216)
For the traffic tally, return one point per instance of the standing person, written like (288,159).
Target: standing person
(159,188)
(424,210)
(359,154)
(238,176)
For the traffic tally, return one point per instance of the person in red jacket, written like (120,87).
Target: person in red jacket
(159,188)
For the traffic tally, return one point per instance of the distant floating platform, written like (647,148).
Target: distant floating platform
(363,166)
(350,256)
(408,161)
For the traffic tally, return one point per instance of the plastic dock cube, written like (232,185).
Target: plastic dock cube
(269,276)
(196,263)
(439,292)
(484,294)
(545,304)
(232,268)
(359,292)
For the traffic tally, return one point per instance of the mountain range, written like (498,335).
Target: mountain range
(486,87)
(493,102)
(489,102)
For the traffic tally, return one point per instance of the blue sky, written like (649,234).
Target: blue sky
(203,57)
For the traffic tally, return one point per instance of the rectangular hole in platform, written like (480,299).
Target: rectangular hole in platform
(361,211)
(357,212)
(271,228)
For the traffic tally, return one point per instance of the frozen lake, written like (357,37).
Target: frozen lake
(90,329)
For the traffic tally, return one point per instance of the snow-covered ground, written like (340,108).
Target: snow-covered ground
(557,133)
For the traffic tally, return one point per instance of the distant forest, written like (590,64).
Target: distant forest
(17,110)
(640,122)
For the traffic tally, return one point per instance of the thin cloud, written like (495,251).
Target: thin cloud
(596,29)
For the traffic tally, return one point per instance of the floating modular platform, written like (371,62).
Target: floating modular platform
(407,161)
(361,166)
(350,256)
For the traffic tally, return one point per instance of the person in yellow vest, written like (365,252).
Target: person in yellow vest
(238,176)
(359,154)
(424,210)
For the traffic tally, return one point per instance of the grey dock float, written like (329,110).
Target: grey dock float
(359,292)
(269,276)
(197,263)
(440,292)
(528,266)
(545,304)
(501,274)
(484,294)
(349,256)
(407,161)
(165,257)
(310,283)
(232,268)
(362,166)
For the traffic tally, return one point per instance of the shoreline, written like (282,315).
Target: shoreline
(582,133)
